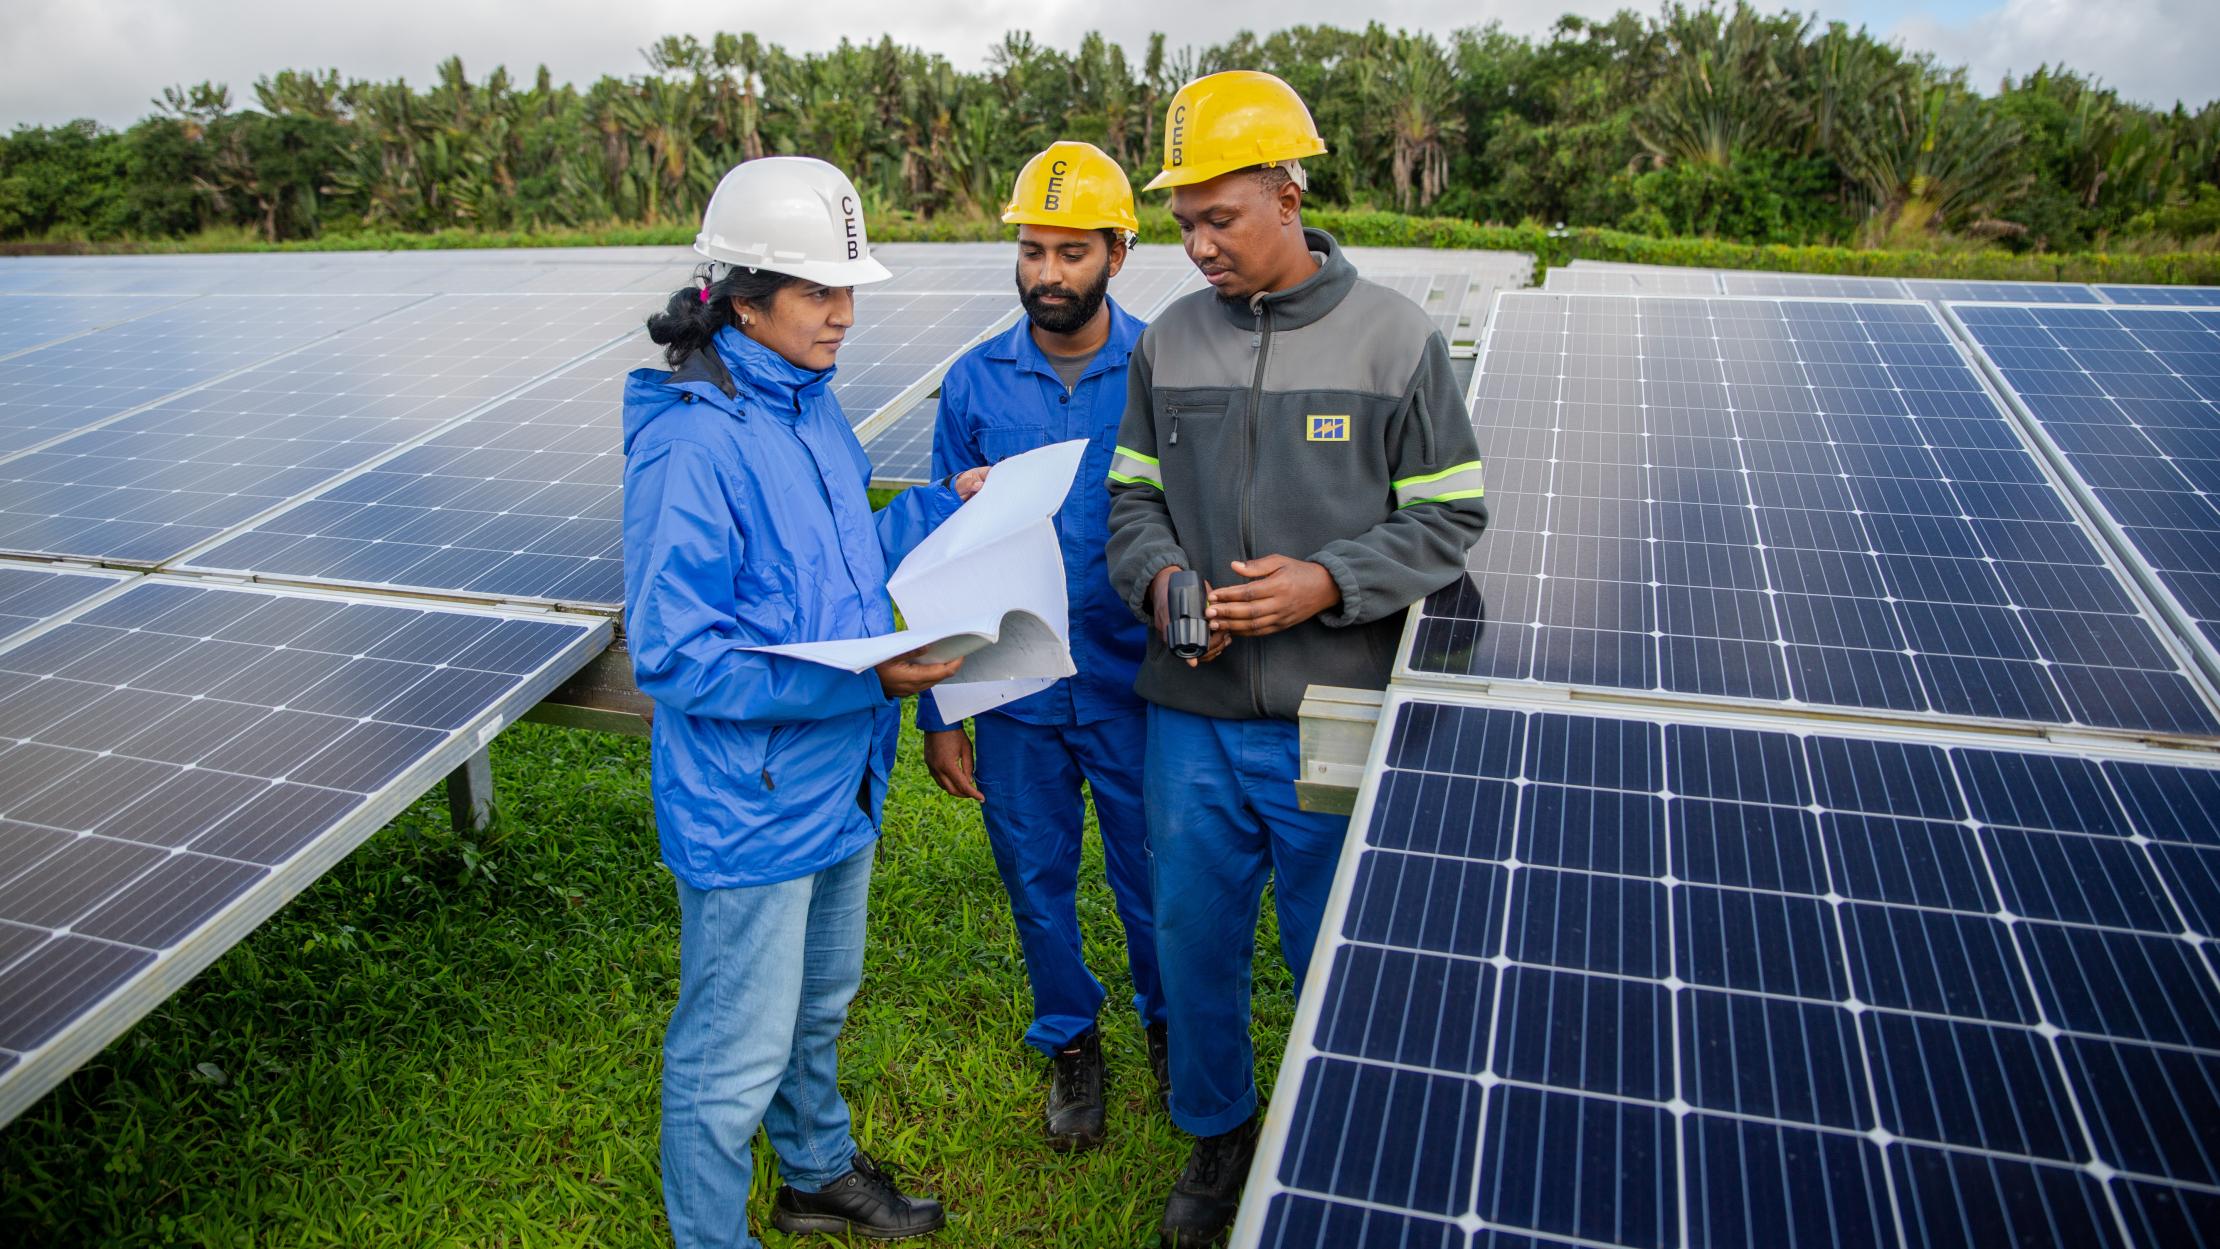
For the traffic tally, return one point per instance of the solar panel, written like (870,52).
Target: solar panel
(28,321)
(519,502)
(2177,296)
(902,342)
(180,760)
(2129,399)
(1622,981)
(149,486)
(902,454)
(1612,281)
(1440,295)
(30,594)
(1935,291)
(58,390)
(1783,501)
(1825,285)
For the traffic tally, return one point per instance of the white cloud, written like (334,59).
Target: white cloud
(2151,51)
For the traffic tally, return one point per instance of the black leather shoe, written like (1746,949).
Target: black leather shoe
(863,1203)
(1160,1061)
(1209,1191)
(1075,1094)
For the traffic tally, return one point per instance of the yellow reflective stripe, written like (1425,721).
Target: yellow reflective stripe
(1131,468)
(1468,465)
(1458,481)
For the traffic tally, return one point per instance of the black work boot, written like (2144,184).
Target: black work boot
(863,1203)
(1209,1191)
(1160,1061)
(1075,1094)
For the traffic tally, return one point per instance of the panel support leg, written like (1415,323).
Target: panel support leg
(470,793)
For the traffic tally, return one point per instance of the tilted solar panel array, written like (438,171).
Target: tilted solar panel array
(2129,398)
(1638,982)
(179,760)
(1783,501)
(522,502)
(1878,907)
(147,487)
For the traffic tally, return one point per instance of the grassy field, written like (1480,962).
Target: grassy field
(456,1041)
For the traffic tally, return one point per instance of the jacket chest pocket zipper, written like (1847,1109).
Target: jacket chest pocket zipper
(1178,410)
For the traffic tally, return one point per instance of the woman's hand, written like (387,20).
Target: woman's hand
(967,482)
(903,675)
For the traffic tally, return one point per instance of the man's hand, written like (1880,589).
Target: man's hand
(948,757)
(1160,604)
(1282,592)
(903,675)
(967,482)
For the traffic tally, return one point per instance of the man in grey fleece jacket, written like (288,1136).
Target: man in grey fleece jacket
(1297,436)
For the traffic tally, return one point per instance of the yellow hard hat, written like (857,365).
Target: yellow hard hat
(1074,185)
(1234,120)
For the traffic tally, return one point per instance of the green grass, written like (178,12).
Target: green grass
(454,1041)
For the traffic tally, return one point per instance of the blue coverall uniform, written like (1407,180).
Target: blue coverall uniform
(1000,399)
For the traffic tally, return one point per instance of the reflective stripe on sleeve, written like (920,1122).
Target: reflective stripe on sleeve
(1458,481)
(1130,468)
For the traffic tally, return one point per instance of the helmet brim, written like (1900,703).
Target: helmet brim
(1051,219)
(860,272)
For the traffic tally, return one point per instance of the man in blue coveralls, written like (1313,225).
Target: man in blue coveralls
(1058,375)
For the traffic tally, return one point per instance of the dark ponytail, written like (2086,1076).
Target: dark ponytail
(700,309)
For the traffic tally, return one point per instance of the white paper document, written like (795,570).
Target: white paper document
(987,585)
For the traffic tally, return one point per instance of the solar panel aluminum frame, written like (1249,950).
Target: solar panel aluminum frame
(1263,1183)
(2100,520)
(86,1035)
(2203,680)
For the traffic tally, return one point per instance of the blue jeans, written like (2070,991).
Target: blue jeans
(1223,817)
(1034,813)
(765,974)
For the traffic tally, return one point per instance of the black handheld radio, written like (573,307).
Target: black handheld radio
(1183,605)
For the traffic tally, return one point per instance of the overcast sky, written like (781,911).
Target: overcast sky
(105,59)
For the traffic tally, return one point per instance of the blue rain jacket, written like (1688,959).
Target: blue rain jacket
(1002,398)
(746,524)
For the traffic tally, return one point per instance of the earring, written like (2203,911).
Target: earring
(744,319)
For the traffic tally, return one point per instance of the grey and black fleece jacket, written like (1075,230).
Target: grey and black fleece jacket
(1321,422)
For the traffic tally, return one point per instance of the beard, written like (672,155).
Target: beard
(1064,318)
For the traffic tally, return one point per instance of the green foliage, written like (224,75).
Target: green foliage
(1714,119)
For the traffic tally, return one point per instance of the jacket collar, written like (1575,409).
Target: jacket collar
(1308,300)
(737,370)
(1017,346)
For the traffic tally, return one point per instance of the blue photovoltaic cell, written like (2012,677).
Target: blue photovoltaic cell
(1804,501)
(521,501)
(150,486)
(182,751)
(30,595)
(70,385)
(1826,285)
(1629,281)
(2131,397)
(28,321)
(1748,1012)
(902,454)
(1936,290)
(900,338)
(2175,296)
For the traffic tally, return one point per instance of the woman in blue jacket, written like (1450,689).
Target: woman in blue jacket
(746,524)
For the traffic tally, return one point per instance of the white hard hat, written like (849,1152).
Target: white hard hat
(790,214)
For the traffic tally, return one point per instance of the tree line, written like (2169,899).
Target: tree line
(1698,120)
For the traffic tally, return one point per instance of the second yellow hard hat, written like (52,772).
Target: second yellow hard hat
(1234,120)
(1074,185)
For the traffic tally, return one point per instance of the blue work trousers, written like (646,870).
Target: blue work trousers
(765,974)
(1030,774)
(1222,818)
